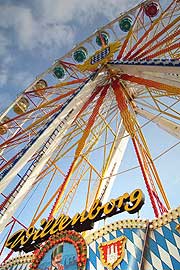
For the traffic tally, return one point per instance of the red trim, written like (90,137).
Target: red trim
(145,178)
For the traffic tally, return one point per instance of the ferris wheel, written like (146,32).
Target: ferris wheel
(64,139)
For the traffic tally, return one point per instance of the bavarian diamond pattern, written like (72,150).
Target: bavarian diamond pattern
(133,249)
(101,55)
(162,251)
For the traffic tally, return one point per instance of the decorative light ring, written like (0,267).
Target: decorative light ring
(24,259)
(70,237)
(121,224)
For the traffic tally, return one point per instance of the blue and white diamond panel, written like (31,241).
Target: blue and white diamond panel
(133,249)
(154,247)
(162,251)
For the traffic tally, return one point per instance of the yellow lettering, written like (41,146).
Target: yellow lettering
(29,233)
(84,216)
(136,201)
(75,219)
(43,222)
(128,202)
(16,239)
(109,207)
(47,228)
(95,210)
(37,235)
(55,226)
(64,223)
(121,199)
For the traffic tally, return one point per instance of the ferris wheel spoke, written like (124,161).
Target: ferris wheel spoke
(84,170)
(20,140)
(33,171)
(130,34)
(132,52)
(39,118)
(34,142)
(36,123)
(34,219)
(113,163)
(80,147)
(59,85)
(161,105)
(50,166)
(161,69)
(150,83)
(60,154)
(91,168)
(174,113)
(161,33)
(34,109)
(171,116)
(163,51)
(87,151)
(162,78)
(169,40)
(167,125)
(142,151)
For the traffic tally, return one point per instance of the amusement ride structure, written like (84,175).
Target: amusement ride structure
(63,139)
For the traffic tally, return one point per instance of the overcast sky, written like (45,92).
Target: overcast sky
(35,33)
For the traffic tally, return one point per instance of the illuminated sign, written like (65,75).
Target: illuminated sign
(28,240)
